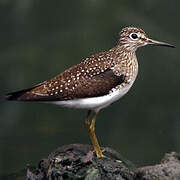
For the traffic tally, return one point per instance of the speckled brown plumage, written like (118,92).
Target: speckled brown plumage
(94,76)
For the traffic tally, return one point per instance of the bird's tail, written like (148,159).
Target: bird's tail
(23,95)
(30,94)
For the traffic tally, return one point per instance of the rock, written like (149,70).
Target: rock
(168,169)
(77,161)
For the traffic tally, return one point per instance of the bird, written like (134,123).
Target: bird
(95,82)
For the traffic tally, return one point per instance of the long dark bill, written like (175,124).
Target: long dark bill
(158,43)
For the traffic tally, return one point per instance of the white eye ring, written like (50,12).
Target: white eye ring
(134,36)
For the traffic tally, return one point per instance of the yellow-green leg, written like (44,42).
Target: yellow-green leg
(91,131)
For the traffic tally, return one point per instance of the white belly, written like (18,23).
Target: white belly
(95,103)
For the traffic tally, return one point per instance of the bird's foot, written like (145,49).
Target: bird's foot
(99,153)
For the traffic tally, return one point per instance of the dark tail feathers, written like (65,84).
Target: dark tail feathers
(23,95)
(30,95)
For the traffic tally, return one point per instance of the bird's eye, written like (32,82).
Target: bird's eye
(133,36)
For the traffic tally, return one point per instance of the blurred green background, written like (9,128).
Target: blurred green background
(41,38)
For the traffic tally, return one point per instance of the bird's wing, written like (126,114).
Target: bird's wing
(95,86)
(59,90)
(91,78)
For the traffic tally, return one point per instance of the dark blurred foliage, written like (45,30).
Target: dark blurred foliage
(41,38)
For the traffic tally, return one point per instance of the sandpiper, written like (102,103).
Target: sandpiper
(95,82)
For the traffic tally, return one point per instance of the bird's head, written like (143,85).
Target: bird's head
(132,38)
